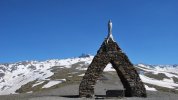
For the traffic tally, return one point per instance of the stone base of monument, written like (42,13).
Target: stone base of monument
(115,93)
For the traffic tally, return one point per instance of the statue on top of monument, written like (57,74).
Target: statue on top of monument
(109,27)
(110,31)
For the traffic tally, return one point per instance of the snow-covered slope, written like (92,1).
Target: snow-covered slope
(159,75)
(49,73)
(13,76)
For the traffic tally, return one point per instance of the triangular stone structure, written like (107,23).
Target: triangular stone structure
(110,52)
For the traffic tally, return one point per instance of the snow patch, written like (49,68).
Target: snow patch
(160,83)
(81,75)
(109,68)
(30,92)
(150,88)
(51,83)
(168,80)
(80,68)
(38,83)
(32,70)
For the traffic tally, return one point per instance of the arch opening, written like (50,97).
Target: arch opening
(109,83)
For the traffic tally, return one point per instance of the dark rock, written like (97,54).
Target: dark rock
(115,93)
(32,67)
(2,75)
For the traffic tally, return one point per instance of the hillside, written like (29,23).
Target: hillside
(35,76)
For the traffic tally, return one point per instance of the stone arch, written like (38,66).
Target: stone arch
(110,52)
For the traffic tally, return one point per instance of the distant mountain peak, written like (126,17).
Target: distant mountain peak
(83,55)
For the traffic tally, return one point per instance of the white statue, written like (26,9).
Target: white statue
(110,31)
(109,27)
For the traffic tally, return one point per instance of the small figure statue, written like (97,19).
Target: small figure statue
(110,31)
(109,28)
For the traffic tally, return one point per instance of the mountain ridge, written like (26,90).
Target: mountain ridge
(34,76)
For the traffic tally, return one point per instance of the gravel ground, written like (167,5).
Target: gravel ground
(72,90)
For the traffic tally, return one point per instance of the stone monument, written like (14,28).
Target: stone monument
(110,52)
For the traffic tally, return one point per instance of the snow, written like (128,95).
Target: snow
(81,75)
(30,92)
(51,83)
(38,83)
(144,66)
(80,68)
(156,70)
(109,68)
(150,88)
(68,62)
(61,80)
(168,80)
(12,80)
(161,83)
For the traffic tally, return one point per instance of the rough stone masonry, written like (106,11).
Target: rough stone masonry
(110,52)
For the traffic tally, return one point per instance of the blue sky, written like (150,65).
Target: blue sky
(146,30)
